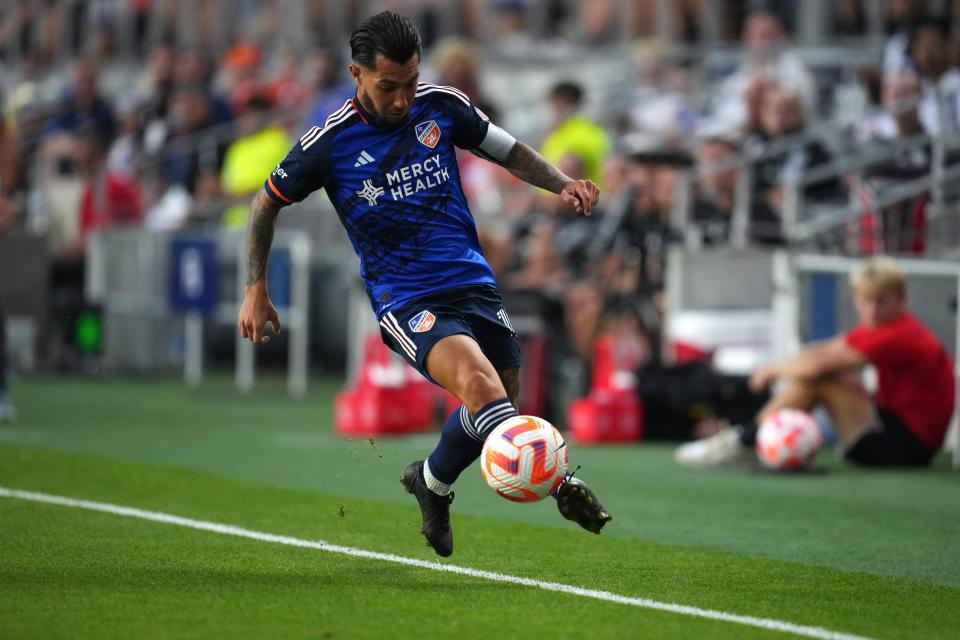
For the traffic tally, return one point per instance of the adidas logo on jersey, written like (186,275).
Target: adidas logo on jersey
(363,158)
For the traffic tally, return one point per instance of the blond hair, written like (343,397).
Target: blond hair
(879,272)
(456,56)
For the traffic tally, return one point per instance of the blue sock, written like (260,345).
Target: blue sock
(461,442)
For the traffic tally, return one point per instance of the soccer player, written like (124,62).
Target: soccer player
(387,161)
(903,425)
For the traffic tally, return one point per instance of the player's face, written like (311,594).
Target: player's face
(877,306)
(388,90)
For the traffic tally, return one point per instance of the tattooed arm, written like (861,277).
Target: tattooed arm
(263,220)
(257,309)
(528,165)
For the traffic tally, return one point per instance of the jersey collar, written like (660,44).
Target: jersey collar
(365,115)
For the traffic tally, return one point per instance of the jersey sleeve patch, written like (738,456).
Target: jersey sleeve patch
(469,125)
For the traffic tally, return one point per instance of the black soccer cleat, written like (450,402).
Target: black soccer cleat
(434,507)
(578,503)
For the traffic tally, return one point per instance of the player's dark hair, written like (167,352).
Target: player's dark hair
(569,91)
(391,35)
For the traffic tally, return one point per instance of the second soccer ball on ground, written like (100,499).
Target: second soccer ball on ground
(788,439)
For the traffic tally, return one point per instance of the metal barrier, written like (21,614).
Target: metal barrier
(143,280)
(294,305)
(803,221)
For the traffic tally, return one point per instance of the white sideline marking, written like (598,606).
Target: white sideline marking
(645,603)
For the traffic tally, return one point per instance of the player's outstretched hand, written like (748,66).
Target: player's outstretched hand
(581,195)
(255,312)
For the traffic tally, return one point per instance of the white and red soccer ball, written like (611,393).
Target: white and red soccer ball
(788,439)
(524,459)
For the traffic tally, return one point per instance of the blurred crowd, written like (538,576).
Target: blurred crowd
(109,120)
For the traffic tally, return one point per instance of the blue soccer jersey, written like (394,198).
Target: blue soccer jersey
(397,192)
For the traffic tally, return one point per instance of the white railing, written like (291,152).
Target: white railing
(128,274)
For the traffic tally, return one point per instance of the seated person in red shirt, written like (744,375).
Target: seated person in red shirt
(109,198)
(904,424)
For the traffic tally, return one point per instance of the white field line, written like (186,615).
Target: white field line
(607,596)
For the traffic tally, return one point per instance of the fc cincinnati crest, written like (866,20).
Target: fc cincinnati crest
(428,133)
(424,320)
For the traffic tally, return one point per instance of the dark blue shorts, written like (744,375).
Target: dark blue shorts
(475,310)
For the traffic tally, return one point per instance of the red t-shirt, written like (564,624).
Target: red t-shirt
(107,203)
(915,374)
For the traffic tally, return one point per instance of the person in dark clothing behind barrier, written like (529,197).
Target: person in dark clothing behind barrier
(683,400)
(904,424)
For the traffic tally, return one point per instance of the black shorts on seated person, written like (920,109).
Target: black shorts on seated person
(889,443)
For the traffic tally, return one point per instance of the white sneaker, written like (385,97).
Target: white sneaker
(720,450)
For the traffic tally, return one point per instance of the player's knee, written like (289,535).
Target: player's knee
(478,389)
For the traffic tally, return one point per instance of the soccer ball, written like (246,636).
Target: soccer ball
(788,439)
(524,459)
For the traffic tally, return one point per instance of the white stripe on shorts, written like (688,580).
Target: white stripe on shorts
(403,345)
(399,331)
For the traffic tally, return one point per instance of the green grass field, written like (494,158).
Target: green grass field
(853,552)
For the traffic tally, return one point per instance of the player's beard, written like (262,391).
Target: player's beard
(380,118)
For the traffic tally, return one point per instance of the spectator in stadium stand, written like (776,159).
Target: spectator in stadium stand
(572,133)
(194,69)
(511,30)
(782,119)
(153,94)
(940,82)
(662,96)
(456,63)
(160,94)
(195,154)
(124,153)
(286,89)
(546,267)
(83,106)
(260,146)
(110,198)
(718,172)
(647,230)
(903,224)
(82,109)
(902,17)
(621,274)
(900,118)
(239,74)
(154,87)
(330,87)
(767,59)
(605,272)
(904,424)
